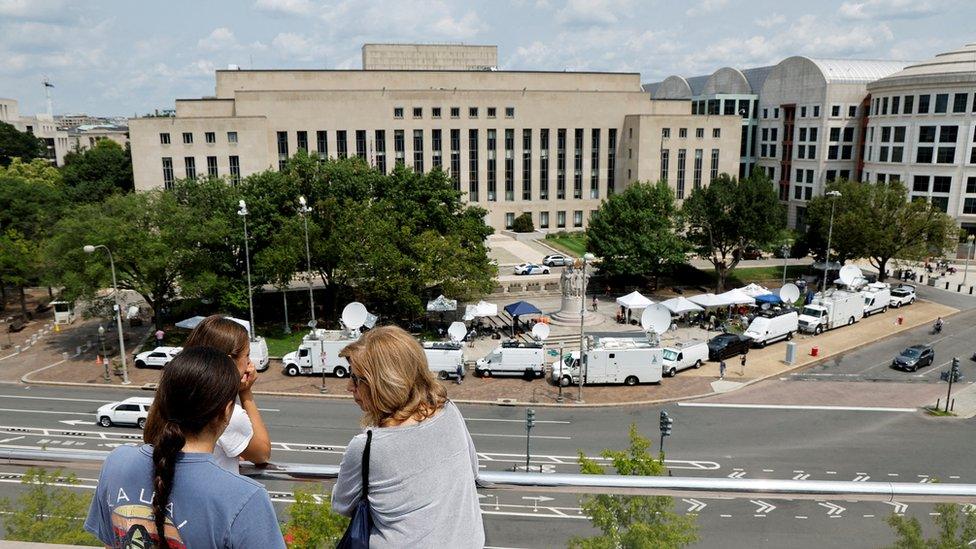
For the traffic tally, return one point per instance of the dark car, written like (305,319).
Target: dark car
(724,346)
(914,357)
(750,252)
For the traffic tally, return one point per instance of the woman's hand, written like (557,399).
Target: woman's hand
(248,378)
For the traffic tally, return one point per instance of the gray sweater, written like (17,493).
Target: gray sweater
(421,484)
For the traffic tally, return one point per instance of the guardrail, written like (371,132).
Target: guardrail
(905,492)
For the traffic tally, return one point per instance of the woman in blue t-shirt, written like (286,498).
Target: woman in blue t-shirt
(174,494)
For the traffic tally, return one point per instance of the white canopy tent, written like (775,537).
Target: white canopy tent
(680,305)
(482,308)
(754,290)
(441,304)
(634,300)
(193,321)
(710,300)
(738,297)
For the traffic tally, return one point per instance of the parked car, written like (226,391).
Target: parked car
(157,358)
(131,411)
(748,253)
(724,346)
(530,269)
(902,295)
(914,357)
(556,260)
(682,356)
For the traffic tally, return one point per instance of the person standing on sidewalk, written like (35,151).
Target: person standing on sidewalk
(742,364)
(160,334)
(721,369)
(460,373)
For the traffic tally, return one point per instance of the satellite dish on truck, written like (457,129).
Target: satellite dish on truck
(540,331)
(656,318)
(789,293)
(354,315)
(849,274)
(457,331)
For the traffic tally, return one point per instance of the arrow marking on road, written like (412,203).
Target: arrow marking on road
(900,508)
(74,422)
(535,501)
(737,474)
(764,508)
(832,509)
(802,476)
(861,477)
(696,505)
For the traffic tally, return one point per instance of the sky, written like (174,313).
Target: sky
(125,57)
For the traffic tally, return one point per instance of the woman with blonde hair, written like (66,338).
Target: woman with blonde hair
(245,436)
(420,463)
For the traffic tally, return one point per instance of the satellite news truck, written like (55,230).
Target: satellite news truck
(612,360)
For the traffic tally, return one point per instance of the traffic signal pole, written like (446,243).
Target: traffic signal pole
(953,374)
(529,424)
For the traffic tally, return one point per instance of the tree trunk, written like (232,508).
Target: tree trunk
(3,296)
(882,262)
(50,293)
(23,302)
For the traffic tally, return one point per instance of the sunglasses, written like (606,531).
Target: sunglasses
(356,380)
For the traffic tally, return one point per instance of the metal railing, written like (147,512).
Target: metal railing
(905,492)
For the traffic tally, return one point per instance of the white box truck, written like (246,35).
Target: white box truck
(771,327)
(319,352)
(826,312)
(877,298)
(613,360)
(443,358)
(684,355)
(513,358)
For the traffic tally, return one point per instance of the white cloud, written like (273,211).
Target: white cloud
(36,10)
(292,47)
(706,6)
(887,9)
(220,38)
(467,26)
(586,13)
(286,7)
(773,20)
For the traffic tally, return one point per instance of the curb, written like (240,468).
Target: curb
(509,404)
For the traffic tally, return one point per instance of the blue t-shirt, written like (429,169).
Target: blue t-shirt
(208,506)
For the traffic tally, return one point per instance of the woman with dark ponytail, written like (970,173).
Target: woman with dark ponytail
(173,493)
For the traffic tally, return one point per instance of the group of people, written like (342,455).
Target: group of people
(182,488)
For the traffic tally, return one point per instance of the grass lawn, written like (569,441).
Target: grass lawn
(573,244)
(743,276)
(280,343)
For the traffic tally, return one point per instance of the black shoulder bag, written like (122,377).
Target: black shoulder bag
(357,534)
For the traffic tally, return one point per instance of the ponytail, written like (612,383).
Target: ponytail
(169,443)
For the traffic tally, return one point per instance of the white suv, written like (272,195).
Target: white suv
(157,358)
(556,260)
(131,411)
(902,295)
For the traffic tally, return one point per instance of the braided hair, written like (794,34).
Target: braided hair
(191,398)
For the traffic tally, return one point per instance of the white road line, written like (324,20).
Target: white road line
(46,412)
(726,516)
(802,517)
(795,407)
(551,421)
(519,436)
(11,439)
(97,401)
(831,472)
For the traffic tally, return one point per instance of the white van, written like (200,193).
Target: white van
(259,354)
(688,354)
(443,358)
(613,360)
(877,298)
(513,358)
(766,329)
(319,352)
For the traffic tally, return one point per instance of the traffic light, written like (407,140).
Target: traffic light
(529,418)
(666,423)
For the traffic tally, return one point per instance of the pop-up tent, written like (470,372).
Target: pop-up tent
(518,309)
(634,300)
(738,297)
(754,290)
(768,298)
(481,309)
(710,301)
(193,321)
(680,305)
(441,304)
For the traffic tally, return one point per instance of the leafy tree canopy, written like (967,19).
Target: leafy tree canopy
(95,173)
(18,144)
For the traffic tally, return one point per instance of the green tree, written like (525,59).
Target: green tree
(635,232)
(18,144)
(729,215)
(166,244)
(956,529)
(312,523)
(523,223)
(876,221)
(94,174)
(48,511)
(633,521)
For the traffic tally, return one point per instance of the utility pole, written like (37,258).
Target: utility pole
(529,424)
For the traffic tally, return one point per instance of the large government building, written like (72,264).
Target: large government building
(552,144)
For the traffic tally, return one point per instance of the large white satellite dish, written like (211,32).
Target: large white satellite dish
(540,331)
(656,318)
(457,331)
(789,293)
(849,274)
(354,315)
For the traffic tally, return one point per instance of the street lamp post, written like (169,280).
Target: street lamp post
(118,307)
(242,211)
(304,210)
(969,254)
(587,257)
(101,341)
(830,234)
(786,255)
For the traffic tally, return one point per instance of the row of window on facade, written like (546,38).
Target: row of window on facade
(683,133)
(190,169)
(927,104)
(746,108)
(696,176)
(812,111)
(924,187)
(543,220)
(936,144)
(209,137)
(473,112)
